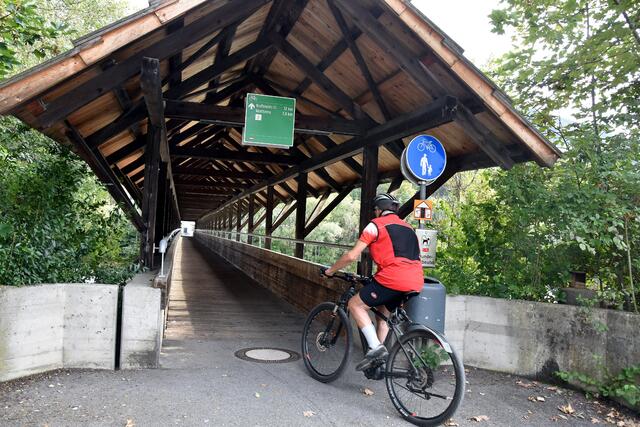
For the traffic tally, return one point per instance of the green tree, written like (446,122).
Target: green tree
(57,223)
(24,28)
(34,30)
(574,70)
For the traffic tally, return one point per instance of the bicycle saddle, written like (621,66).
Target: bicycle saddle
(410,295)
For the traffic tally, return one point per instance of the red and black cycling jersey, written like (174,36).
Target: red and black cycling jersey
(394,248)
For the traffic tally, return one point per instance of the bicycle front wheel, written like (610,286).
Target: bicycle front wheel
(425,382)
(326,342)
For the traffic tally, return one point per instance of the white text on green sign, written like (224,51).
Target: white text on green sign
(269,120)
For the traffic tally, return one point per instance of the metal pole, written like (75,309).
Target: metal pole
(423,196)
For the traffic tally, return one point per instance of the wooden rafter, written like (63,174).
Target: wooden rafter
(315,221)
(218,173)
(105,174)
(228,116)
(222,52)
(440,112)
(228,155)
(318,77)
(426,79)
(362,64)
(170,45)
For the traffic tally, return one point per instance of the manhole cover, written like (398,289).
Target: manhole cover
(267,355)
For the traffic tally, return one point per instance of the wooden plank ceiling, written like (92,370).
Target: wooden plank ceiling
(363,72)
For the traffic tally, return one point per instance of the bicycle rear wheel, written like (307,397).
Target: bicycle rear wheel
(425,383)
(326,342)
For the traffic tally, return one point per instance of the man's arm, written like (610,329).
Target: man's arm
(348,257)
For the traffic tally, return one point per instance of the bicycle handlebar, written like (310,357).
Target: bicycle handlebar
(347,277)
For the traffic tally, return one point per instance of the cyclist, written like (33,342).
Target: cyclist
(393,245)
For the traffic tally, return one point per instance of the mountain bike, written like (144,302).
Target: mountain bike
(424,376)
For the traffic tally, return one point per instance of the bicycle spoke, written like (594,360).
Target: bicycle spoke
(419,376)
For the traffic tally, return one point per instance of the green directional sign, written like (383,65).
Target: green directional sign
(268,120)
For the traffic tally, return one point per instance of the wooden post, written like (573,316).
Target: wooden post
(238,220)
(301,213)
(369,186)
(252,207)
(150,194)
(268,225)
(161,216)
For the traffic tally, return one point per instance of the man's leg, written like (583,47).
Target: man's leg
(359,311)
(382,328)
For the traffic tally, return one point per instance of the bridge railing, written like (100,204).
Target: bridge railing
(320,252)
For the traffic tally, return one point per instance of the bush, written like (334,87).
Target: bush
(57,224)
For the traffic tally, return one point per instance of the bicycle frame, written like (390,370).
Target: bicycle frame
(397,317)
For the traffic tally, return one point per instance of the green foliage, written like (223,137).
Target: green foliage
(23,27)
(432,355)
(625,385)
(57,224)
(516,234)
(34,30)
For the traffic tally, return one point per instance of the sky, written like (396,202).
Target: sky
(471,29)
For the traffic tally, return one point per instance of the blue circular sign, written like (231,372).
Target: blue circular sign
(425,158)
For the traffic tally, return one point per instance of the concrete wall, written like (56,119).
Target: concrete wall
(90,319)
(519,337)
(144,308)
(48,327)
(142,323)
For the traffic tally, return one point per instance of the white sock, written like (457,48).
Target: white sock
(369,333)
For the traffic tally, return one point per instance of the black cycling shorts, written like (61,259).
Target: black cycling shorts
(374,294)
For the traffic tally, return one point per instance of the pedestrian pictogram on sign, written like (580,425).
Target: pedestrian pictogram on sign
(425,158)
(423,210)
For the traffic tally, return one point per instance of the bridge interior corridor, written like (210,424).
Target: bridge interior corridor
(211,299)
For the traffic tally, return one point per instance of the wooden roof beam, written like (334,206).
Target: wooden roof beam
(236,156)
(175,74)
(152,93)
(166,47)
(281,19)
(217,69)
(104,173)
(196,189)
(364,69)
(235,117)
(219,173)
(210,184)
(175,61)
(318,77)
(440,112)
(222,52)
(137,113)
(315,221)
(262,167)
(127,119)
(427,80)
(335,52)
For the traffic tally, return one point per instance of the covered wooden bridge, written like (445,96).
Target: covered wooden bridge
(154,104)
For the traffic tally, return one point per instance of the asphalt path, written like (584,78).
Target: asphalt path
(215,311)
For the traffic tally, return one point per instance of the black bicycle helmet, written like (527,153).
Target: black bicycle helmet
(386,202)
